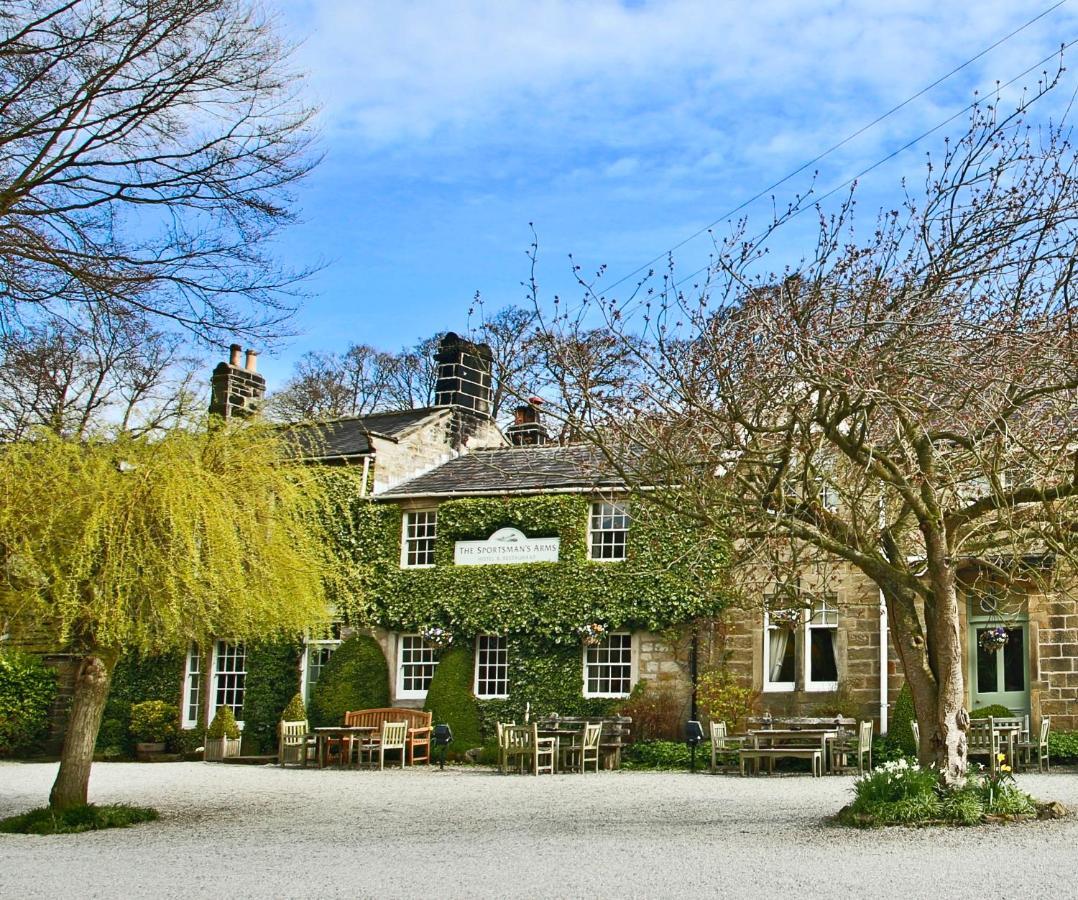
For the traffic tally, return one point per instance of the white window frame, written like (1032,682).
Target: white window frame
(211,700)
(769,686)
(595,511)
(194,683)
(406,539)
(830,605)
(308,646)
(479,651)
(633,657)
(412,694)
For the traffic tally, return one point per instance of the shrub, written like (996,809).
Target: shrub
(188,740)
(272,679)
(659,755)
(657,711)
(1062,745)
(76,819)
(724,698)
(900,732)
(153,721)
(356,677)
(27,689)
(136,677)
(450,699)
(295,711)
(995,710)
(223,724)
(113,738)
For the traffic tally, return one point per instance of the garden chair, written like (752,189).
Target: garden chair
(500,728)
(587,751)
(724,748)
(545,748)
(517,745)
(293,743)
(1039,746)
(394,736)
(862,750)
(982,740)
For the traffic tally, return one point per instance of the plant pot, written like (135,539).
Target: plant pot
(221,748)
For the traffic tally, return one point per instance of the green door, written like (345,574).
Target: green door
(1001,676)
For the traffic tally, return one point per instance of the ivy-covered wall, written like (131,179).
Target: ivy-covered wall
(664,581)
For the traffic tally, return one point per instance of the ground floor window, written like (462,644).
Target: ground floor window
(608,670)
(491,667)
(416,662)
(316,654)
(780,648)
(229,676)
(821,660)
(192,687)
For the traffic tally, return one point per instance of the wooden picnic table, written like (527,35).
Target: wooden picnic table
(326,733)
(772,743)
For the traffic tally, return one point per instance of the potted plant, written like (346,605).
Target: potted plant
(223,736)
(295,711)
(153,723)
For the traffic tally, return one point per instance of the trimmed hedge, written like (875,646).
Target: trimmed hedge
(272,680)
(356,677)
(900,730)
(995,711)
(450,699)
(1062,746)
(27,689)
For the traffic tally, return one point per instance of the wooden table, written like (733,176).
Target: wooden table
(786,736)
(351,732)
(572,736)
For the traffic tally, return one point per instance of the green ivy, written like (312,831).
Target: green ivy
(665,580)
(137,678)
(272,679)
(27,689)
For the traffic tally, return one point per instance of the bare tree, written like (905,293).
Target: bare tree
(327,385)
(903,404)
(146,152)
(108,372)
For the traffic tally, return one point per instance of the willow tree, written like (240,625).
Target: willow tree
(150,545)
(902,402)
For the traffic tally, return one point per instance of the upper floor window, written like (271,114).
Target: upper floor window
(420,532)
(607,536)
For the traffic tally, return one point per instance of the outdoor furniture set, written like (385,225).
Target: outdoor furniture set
(1009,737)
(831,745)
(366,735)
(562,744)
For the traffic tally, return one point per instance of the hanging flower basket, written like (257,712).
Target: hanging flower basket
(994,638)
(592,634)
(437,636)
(785,618)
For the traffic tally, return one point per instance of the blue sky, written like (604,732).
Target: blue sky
(618,128)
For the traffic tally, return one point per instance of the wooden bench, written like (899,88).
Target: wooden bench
(614,736)
(773,753)
(419,726)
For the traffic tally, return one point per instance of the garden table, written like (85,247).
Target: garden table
(566,737)
(795,739)
(341,732)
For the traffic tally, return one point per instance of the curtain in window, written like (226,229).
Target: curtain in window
(778,639)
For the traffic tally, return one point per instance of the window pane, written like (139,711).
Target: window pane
(492,667)
(608,530)
(418,660)
(609,665)
(230,677)
(1014,667)
(987,682)
(822,665)
(420,532)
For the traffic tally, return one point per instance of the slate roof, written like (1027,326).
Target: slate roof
(350,436)
(512,470)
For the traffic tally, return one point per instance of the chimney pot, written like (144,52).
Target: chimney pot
(251,365)
(234,355)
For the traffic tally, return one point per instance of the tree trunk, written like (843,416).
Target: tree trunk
(88,704)
(951,720)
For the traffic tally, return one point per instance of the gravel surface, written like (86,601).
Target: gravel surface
(239,831)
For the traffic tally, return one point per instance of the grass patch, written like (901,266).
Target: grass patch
(76,819)
(902,793)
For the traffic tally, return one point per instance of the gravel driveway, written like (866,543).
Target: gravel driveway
(238,831)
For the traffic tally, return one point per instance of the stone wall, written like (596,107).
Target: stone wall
(1054,659)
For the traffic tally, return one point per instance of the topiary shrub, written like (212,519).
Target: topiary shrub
(295,711)
(900,732)
(223,725)
(450,699)
(356,677)
(272,679)
(27,689)
(153,721)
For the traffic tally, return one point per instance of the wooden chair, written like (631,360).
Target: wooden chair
(293,743)
(419,727)
(517,745)
(545,748)
(982,740)
(863,749)
(587,751)
(723,747)
(394,736)
(1039,746)
(500,728)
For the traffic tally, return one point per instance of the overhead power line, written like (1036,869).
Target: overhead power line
(846,140)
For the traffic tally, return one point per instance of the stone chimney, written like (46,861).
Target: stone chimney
(464,375)
(236,390)
(527,430)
